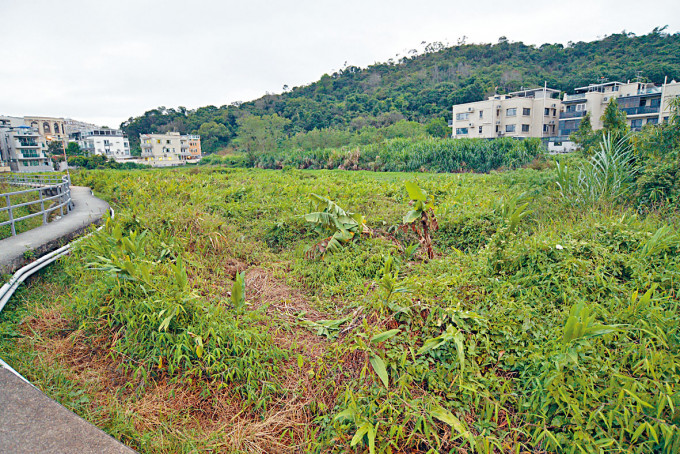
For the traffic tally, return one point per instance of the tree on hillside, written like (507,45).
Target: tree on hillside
(614,120)
(584,136)
(73,149)
(438,128)
(213,135)
(55,147)
(259,134)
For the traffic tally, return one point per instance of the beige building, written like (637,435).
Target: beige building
(169,149)
(521,114)
(642,103)
(50,128)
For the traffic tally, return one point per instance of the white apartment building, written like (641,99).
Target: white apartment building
(169,149)
(111,143)
(643,103)
(23,149)
(521,114)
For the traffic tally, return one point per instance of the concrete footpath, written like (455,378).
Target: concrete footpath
(31,422)
(41,240)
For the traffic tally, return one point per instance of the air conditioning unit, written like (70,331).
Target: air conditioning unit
(554,105)
(471,125)
(498,122)
(470,109)
(604,99)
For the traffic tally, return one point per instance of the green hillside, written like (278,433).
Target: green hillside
(422,88)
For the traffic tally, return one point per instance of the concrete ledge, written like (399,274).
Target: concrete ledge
(32,423)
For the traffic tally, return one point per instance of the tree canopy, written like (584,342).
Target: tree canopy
(422,87)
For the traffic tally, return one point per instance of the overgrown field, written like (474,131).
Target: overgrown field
(213,316)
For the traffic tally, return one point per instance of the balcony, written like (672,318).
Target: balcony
(644,110)
(576,97)
(575,114)
(565,132)
(649,91)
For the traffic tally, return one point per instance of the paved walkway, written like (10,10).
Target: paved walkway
(31,422)
(43,239)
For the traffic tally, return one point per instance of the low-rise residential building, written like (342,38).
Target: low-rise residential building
(111,143)
(521,114)
(23,149)
(169,149)
(194,145)
(643,103)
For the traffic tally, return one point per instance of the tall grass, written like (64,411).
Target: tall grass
(405,155)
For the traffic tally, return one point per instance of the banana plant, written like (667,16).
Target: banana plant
(329,219)
(423,211)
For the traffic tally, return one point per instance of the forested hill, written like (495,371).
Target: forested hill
(423,87)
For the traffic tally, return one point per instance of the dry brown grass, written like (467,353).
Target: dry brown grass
(219,420)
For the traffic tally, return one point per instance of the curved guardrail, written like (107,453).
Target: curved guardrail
(8,289)
(49,189)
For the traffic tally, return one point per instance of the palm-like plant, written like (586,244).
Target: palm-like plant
(609,176)
(329,219)
(423,211)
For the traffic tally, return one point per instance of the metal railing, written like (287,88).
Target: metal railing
(53,193)
(573,114)
(8,289)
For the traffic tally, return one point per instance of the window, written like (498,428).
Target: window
(158,140)
(462,116)
(652,121)
(167,142)
(636,123)
(546,112)
(481,114)
(480,129)
(511,112)
(525,128)
(580,107)
(526,111)
(46,127)
(461,131)
(509,128)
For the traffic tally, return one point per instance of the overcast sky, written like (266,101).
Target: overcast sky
(107,61)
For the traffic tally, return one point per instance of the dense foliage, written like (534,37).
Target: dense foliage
(540,325)
(404,155)
(422,86)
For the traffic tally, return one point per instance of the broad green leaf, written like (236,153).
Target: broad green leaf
(380,369)
(447,417)
(361,431)
(346,414)
(382,337)
(414,192)
(411,216)
(238,291)
(431,344)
